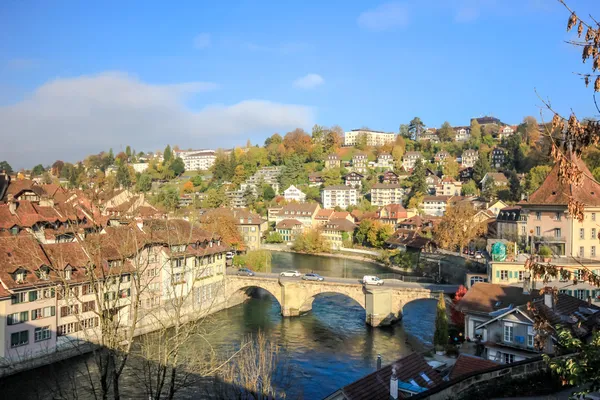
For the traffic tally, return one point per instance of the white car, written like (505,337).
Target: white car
(229,255)
(478,255)
(372,280)
(291,273)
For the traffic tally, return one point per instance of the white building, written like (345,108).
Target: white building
(385,160)
(434,205)
(469,158)
(294,194)
(339,196)
(196,160)
(410,159)
(383,194)
(374,138)
(462,133)
(140,167)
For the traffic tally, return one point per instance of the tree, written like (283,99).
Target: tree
(536,176)
(144,183)
(222,222)
(167,154)
(168,198)
(333,139)
(273,139)
(403,131)
(417,179)
(450,167)
(489,190)
(469,188)
(416,127)
(56,169)
(361,141)
(123,177)
(298,142)
(5,166)
(532,131)
(188,187)
(293,172)
(481,167)
(440,337)
(311,242)
(475,131)
(445,133)
(515,186)
(177,166)
(318,133)
(274,237)
(213,198)
(128,152)
(458,227)
(457,317)
(38,170)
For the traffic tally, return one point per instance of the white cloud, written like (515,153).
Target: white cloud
(309,81)
(202,41)
(384,17)
(70,118)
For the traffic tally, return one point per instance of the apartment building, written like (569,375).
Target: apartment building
(339,196)
(498,157)
(289,229)
(434,205)
(441,156)
(448,187)
(197,160)
(511,226)
(383,194)
(385,160)
(469,158)
(410,158)
(430,134)
(390,177)
(265,175)
(332,161)
(373,138)
(302,212)
(336,231)
(359,163)
(392,214)
(353,179)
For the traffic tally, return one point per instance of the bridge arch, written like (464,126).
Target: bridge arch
(234,286)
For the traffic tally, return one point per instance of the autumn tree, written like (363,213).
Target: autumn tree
(457,317)
(475,131)
(458,227)
(469,188)
(273,139)
(445,133)
(188,187)
(222,222)
(440,337)
(450,167)
(167,154)
(144,183)
(298,142)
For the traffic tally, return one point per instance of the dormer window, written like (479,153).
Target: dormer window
(115,263)
(68,271)
(44,272)
(20,276)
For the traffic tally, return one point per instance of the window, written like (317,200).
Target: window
(42,333)
(125,278)
(20,276)
(504,275)
(65,329)
(88,306)
(124,293)
(581,233)
(152,272)
(115,263)
(508,332)
(593,216)
(508,358)
(68,273)
(557,217)
(65,311)
(154,287)
(593,235)
(530,336)
(593,251)
(557,232)
(581,251)
(86,289)
(43,312)
(520,275)
(44,273)
(19,339)
(523,230)
(538,231)
(89,323)
(17,318)
(177,263)
(177,278)
(538,215)
(110,296)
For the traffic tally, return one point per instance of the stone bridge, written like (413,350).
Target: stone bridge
(383,304)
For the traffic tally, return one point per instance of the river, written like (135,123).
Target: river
(325,349)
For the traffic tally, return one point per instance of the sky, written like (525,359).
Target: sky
(78,78)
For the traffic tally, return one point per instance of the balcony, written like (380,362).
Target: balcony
(549,239)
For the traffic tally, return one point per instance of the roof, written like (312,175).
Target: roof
(553,191)
(288,224)
(341,224)
(333,156)
(485,298)
(582,318)
(470,152)
(386,186)
(339,187)
(324,214)
(412,153)
(497,177)
(466,364)
(376,386)
(299,208)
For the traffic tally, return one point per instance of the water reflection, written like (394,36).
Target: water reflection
(326,266)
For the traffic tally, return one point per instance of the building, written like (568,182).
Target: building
(289,229)
(332,161)
(406,377)
(294,194)
(448,187)
(410,158)
(140,167)
(462,133)
(390,177)
(430,134)
(197,160)
(252,227)
(339,196)
(469,158)
(392,214)
(353,179)
(435,205)
(374,138)
(383,194)
(498,157)
(441,156)
(315,179)
(510,226)
(488,121)
(506,131)
(498,178)
(303,212)
(359,163)
(336,231)
(265,175)
(432,182)
(236,198)
(499,320)
(385,160)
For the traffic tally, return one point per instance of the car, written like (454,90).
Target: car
(291,273)
(245,272)
(478,254)
(472,252)
(229,255)
(313,277)
(372,280)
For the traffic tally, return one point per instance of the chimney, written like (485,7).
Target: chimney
(378,361)
(12,205)
(394,384)
(526,282)
(548,299)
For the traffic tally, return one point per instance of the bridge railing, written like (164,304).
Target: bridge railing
(407,278)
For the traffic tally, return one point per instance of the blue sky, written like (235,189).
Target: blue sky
(80,77)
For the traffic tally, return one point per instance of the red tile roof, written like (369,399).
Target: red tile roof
(485,297)
(288,224)
(466,364)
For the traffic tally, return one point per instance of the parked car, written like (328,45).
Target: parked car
(313,277)
(372,280)
(472,252)
(291,273)
(478,254)
(229,255)
(245,272)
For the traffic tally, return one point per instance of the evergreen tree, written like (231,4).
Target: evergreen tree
(5,166)
(419,185)
(403,131)
(515,186)
(37,170)
(416,127)
(440,338)
(128,151)
(123,177)
(293,172)
(167,154)
(481,167)
(144,183)
(177,166)
(111,157)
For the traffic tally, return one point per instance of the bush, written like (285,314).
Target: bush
(545,251)
(274,237)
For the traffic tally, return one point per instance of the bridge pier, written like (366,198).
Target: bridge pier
(379,308)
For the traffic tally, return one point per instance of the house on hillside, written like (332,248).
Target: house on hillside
(353,179)
(385,160)
(441,156)
(339,196)
(392,214)
(390,177)
(332,161)
(336,230)
(434,205)
(469,158)
(383,194)
(410,158)
(303,212)
(448,187)
(462,133)
(498,178)
(498,157)
(315,179)
(294,194)
(359,162)
(289,229)
(506,131)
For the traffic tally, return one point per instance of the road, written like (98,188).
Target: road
(393,283)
